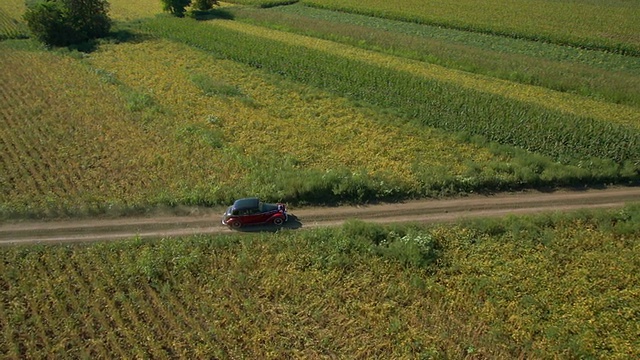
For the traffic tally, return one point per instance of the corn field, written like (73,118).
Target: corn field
(534,287)
(222,109)
(540,20)
(429,101)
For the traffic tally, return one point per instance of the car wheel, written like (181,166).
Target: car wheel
(236,224)
(278,221)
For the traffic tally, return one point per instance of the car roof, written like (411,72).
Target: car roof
(246,203)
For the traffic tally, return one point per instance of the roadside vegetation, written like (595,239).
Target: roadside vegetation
(520,287)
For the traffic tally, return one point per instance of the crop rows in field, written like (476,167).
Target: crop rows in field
(323,138)
(177,126)
(10,27)
(181,126)
(60,150)
(575,23)
(502,44)
(606,76)
(518,287)
(429,100)
(557,101)
(99,316)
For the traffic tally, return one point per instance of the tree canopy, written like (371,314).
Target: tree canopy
(66,22)
(178,7)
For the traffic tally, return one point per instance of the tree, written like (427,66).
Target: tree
(66,22)
(176,7)
(204,5)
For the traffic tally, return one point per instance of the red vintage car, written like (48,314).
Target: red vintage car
(252,211)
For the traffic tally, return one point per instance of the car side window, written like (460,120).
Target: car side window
(235,212)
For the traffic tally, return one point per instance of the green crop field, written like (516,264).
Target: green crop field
(319,103)
(540,287)
(596,74)
(579,23)
(197,127)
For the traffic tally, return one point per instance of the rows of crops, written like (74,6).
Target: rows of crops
(256,115)
(430,102)
(230,119)
(205,129)
(606,76)
(10,28)
(224,110)
(61,152)
(518,288)
(11,24)
(566,103)
(542,20)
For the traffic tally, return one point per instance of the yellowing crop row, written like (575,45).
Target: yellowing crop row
(13,9)
(66,138)
(317,130)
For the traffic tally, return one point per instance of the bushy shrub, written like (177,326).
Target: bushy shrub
(67,22)
(415,248)
(176,7)
(412,247)
(204,5)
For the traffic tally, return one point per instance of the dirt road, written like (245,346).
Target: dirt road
(207,221)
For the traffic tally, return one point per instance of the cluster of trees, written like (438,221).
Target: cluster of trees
(67,22)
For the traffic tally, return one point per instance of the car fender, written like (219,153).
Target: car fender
(229,222)
(278,215)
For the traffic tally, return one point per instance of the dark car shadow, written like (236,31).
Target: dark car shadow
(292,224)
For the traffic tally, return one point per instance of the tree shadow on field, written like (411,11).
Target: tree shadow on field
(292,223)
(116,36)
(212,14)
(86,47)
(123,35)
